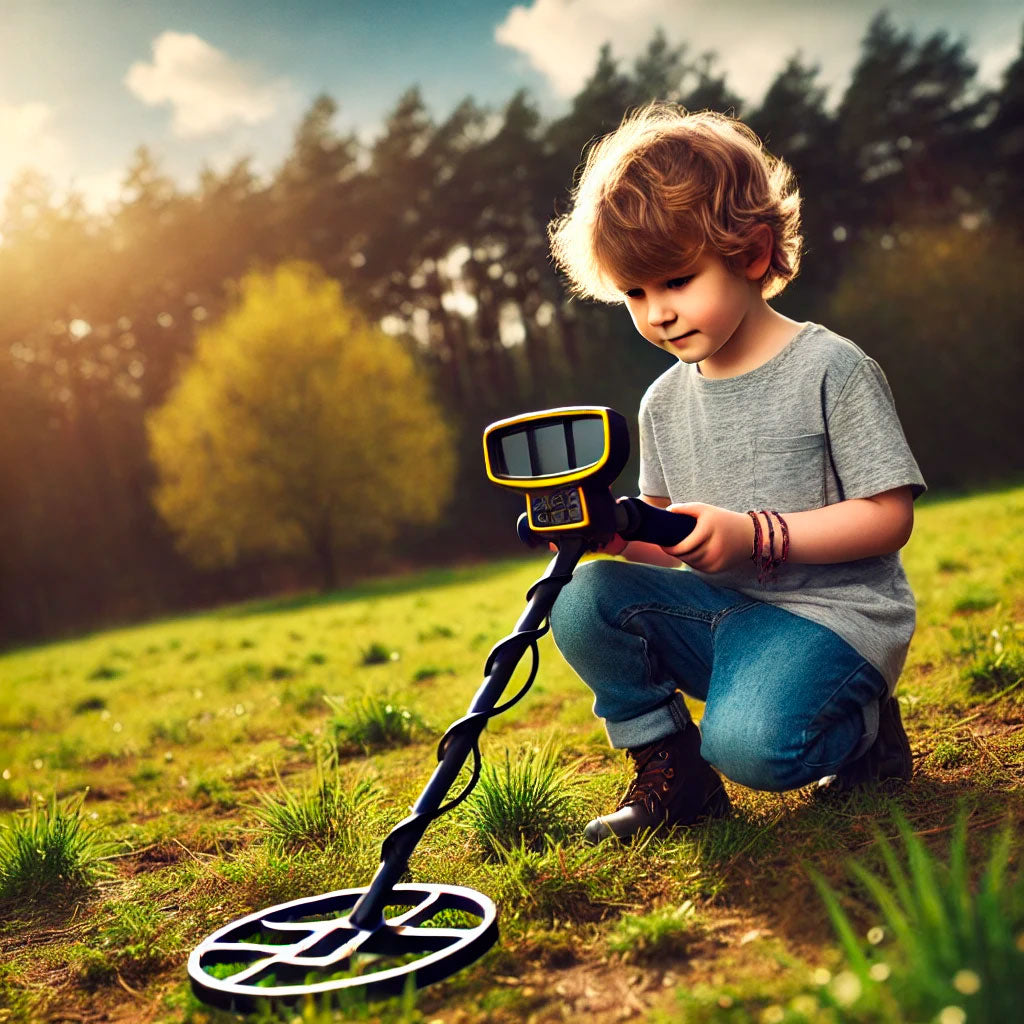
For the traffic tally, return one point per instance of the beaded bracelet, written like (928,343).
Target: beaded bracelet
(755,555)
(768,562)
(785,536)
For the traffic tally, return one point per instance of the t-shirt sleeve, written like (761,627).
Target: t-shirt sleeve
(868,447)
(652,476)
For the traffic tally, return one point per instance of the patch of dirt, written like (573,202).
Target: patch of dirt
(153,858)
(111,791)
(992,723)
(605,989)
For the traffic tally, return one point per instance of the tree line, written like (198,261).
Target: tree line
(436,231)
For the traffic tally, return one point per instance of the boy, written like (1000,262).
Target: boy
(791,626)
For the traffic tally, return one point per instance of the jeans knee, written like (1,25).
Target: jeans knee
(747,753)
(580,614)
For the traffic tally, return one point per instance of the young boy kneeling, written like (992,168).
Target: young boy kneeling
(792,617)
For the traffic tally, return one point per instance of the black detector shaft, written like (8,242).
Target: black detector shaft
(462,736)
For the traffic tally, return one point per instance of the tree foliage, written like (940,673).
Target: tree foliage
(298,430)
(435,230)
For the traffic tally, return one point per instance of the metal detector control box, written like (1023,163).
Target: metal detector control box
(563,461)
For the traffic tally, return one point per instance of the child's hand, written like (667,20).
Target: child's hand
(720,540)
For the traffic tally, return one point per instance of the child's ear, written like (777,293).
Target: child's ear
(759,256)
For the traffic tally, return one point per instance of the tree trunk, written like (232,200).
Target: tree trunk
(326,556)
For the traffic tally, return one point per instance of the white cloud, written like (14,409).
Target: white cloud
(208,91)
(561,38)
(994,59)
(28,139)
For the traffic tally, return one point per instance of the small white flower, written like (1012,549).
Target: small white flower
(805,1004)
(966,982)
(846,988)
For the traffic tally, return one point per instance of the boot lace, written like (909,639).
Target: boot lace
(653,779)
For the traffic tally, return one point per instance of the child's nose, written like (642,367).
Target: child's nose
(659,313)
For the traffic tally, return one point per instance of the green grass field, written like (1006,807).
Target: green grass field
(180,774)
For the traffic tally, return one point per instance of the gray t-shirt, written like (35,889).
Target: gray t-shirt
(814,425)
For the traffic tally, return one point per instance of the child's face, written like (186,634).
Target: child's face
(696,312)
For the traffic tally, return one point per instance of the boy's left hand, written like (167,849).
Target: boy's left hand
(720,540)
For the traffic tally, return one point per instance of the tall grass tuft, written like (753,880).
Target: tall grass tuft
(997,665)
(373,723)
(522,802)
(52,850)
(331,812)
(952,945)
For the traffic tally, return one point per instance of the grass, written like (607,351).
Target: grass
(373,722)
(331,811)
(51,852)
(950,944)
(522,802)
(226,771)
(662,935)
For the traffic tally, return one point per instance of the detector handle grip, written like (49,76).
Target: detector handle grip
(526,535)
(636,520)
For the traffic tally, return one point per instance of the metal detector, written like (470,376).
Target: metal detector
(382,938)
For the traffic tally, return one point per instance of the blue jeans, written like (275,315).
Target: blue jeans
(787,701)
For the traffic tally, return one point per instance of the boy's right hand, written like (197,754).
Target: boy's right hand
(614,547)
(721,539)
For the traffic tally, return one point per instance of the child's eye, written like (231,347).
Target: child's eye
(679,282)
(634,293)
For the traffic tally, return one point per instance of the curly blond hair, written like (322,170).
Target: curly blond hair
(667,185)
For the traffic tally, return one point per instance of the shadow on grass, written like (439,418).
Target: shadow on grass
(763,857)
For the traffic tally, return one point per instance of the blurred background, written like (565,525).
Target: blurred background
(266,270)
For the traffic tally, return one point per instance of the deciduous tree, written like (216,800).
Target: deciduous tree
(298,431)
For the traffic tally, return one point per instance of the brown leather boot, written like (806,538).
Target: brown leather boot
(674,785)
(888,761)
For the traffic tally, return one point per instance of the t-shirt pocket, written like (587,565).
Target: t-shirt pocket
(789,472)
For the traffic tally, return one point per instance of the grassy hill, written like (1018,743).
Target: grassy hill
(259,753)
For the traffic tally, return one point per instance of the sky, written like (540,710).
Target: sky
(83,83)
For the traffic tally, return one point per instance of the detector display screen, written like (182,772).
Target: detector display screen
(539,450)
